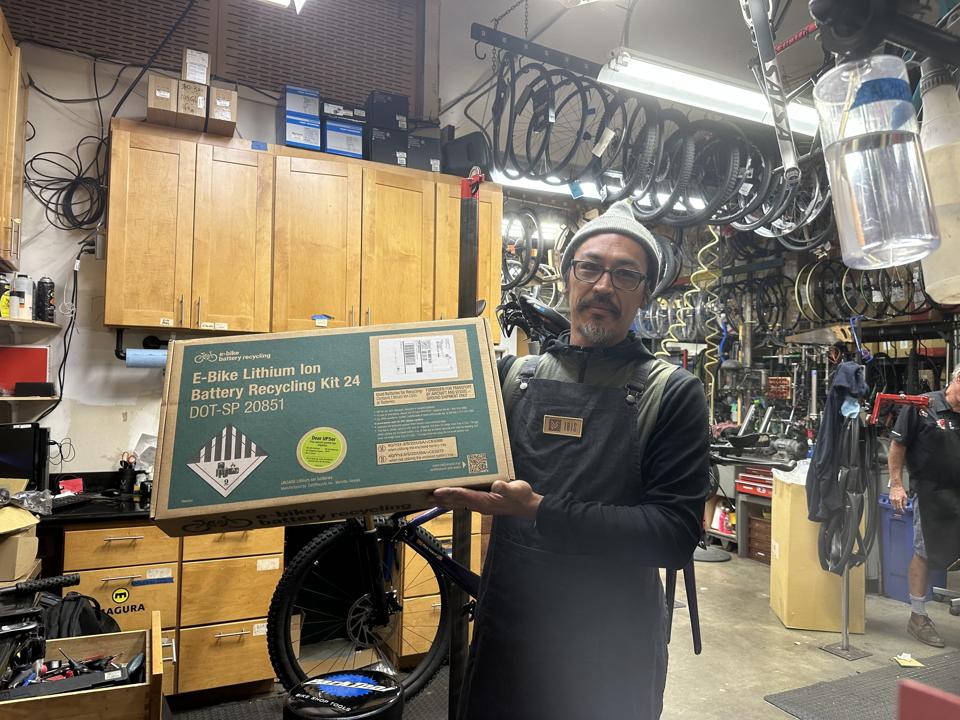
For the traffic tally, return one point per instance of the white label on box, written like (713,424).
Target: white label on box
(259,629)
(434,164)
(196,73)
(159,573)
(221,326)
(304,102)
(206,326)
(201,102)
(223,102)
(402,122)
(161,93)
(425,358)
(166,322)
(321,322)
(775,549)
(346,143)
(265,564)
(113,675)
(303,134)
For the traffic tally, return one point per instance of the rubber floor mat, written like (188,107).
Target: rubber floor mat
(429,704)
(868,696)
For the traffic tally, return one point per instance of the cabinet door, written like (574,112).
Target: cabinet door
(9,82)
(232,239)
(398,247)
(316,243)
(448,251)
(150,230)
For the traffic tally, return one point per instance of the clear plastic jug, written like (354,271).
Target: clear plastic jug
(881,201)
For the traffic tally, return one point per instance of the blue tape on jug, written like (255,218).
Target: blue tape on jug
(882,90)
(258,145)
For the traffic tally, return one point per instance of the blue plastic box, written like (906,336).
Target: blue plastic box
(896,547)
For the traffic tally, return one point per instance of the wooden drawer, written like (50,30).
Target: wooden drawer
(130,594)
(169,645)
(418,577)
(141,701)
(224,654)
(233,544)
(421,616)
(118,547)
(227,590)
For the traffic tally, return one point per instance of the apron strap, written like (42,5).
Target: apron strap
(646,386)
(515,380)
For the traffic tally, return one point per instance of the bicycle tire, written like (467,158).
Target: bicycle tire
(753,188)
(345,538)
(727,180)
(684,144)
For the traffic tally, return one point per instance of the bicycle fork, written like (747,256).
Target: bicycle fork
(373,569)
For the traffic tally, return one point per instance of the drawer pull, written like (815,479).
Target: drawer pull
(120,577)
(124,537)
(168,642)
(436,605)
(233,634)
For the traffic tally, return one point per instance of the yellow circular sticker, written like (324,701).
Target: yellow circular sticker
(321,450)
(120,595)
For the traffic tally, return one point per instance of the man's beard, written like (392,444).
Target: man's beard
(597,335)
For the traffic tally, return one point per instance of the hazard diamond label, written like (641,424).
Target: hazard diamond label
(227,460)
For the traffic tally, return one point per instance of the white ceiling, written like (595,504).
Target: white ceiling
(707,34)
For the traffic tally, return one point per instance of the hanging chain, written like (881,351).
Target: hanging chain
(495,56)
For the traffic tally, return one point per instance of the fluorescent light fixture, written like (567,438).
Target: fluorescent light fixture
(298,5)
(588,189)
(281,3)
(630,70)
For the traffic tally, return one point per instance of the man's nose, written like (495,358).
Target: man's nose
(605,282)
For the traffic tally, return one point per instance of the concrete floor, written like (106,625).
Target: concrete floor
(748,653)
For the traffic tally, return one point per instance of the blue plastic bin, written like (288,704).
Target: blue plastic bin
(896,547)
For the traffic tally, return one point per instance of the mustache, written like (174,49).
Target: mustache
(601,301)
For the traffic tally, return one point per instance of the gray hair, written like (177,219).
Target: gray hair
(956,373)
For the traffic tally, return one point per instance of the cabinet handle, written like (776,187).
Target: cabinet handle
(181,309)
(436,605)
(15,237)
(368,316)
(199,305)
(168,642)
(350,322)
(120,577)
(123,537)
(233,634)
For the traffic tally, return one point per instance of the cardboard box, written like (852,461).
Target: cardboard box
(162,93)
(191,106)
(423,153)
(343,137)
(343,111)
(196,67)
(802,594)
(18,554)
(299,131)
(222,113)
(300,101)
(302,427)
(15,520)
(387,110)
(32,574)
(385,146)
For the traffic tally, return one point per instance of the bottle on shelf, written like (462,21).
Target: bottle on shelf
(940,139)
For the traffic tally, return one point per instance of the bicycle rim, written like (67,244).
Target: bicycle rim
(319,619)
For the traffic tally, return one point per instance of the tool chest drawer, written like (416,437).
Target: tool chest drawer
(223,654)
(130,594)
(227,590)
(233,544)
(117,547)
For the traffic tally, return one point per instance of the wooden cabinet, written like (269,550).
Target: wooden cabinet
(13,118)
(397,269)
(248,582)
(448,250)
(223,654)
(150,242)
(112,547)
(131,593)
(168,644)
(317,220)
(190,231)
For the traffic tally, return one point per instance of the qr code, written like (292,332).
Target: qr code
(477,463)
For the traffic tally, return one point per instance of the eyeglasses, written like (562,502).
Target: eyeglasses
(622,278)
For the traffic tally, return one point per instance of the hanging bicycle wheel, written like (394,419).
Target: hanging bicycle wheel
(321,617)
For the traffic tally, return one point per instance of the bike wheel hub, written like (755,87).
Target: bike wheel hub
(354,695)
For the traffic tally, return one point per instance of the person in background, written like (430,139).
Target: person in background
(612,448)
(928,441)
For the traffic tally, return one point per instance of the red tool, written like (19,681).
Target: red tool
(898,399)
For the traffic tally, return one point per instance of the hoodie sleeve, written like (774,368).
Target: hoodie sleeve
(666,526)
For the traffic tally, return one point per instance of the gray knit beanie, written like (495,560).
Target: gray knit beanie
(619,220)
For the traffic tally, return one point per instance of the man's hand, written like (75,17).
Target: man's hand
(514,498)
(898,499)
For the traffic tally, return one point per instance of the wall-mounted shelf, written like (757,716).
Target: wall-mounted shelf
(14,408)
(24,332)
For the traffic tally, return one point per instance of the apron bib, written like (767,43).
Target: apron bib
(565,631)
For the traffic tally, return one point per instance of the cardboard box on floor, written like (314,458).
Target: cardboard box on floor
(802,594)
(301,427)
(18,543)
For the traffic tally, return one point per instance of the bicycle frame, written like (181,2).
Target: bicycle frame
(462,577)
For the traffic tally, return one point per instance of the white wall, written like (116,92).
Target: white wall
(105,406)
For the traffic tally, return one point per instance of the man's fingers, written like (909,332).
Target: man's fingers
(455,498)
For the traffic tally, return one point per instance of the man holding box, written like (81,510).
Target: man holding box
(612,448)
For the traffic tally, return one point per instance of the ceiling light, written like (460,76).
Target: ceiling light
(298,4)
(630,70)
(587,190)
(281,3)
